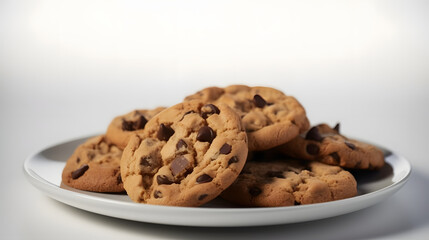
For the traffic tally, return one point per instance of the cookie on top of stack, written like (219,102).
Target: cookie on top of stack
(252,146)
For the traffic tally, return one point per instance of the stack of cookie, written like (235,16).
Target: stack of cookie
(252,146)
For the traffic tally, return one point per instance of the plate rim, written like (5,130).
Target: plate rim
(64,196)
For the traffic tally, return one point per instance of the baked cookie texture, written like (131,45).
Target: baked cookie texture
(94,166)
(286,182)
(186,156)
(122,127)
(270,117)
(325,144)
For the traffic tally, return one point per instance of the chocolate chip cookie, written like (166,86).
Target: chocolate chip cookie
(94,166)
(186,156)
(122,127)
(270,117)
(325,144)
(285,182)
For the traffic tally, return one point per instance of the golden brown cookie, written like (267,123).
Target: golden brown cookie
(94,166)
(122,127)
(270,117)
(325,144)
(285,182)
(186,156)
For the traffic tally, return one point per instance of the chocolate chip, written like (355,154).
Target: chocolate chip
(162,179)
(119,179)
(179,164)
(255,191)
(204,178)
(181,144)
(127,125)
(208,110)
(275,174)
(202,196)
(77,160)
(206,134)
(313,134)
(157,194)
(225,149)
(233,160)
(337,128)
(259,101)
(79,172)
(336,157)
(312,149)
(350,145)
(140,123)
(164,132)
(145,161)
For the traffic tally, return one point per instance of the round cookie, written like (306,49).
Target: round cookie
(269,116)
(186,156)
(287,182)
(94,166)
(325,144)
(122,127)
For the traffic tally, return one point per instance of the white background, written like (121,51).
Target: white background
(68,67)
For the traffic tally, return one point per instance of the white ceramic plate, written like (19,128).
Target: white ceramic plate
(44,169)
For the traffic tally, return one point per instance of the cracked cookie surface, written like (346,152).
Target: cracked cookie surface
(270,117)
(122,127)
(286,182)
(94,166)
(325,144)
(186,156)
